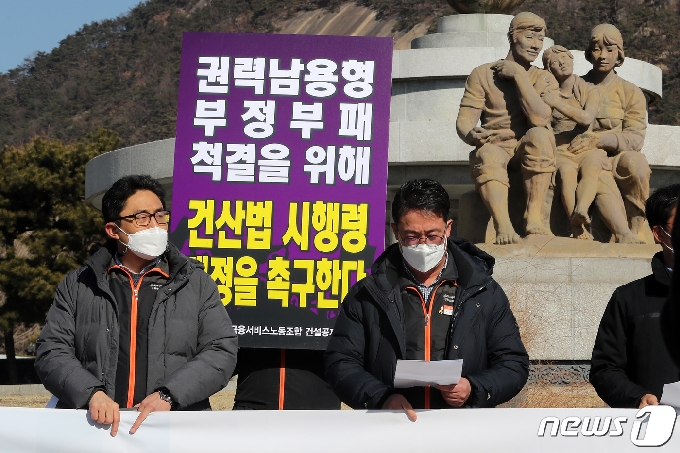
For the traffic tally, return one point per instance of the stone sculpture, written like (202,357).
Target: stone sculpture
(484,6)
(619,129)
(575,106)
(506,96)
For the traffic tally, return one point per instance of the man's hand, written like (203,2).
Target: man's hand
(584,142)
(507,69)
(479,135)
(482,136)
(500,135)
(648,400)
(105,411)
(151,403)
(456,394)
(398,402)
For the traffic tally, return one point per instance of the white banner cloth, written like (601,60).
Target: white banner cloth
(486,430)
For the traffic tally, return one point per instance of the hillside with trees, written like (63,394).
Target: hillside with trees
(46,229)
(123,74)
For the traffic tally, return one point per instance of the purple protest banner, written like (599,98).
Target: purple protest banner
(280,175)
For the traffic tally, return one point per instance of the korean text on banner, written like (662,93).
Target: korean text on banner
(280,175)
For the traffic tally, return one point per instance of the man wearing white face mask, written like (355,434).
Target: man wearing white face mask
(429,297)
(141,325)
(633,353)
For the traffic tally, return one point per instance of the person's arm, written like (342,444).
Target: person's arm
(634,125)
(56,364)
(211,368)
(470,111)
(344,360)
(583,117)
(588,140)
(609,359)
(508,359)
(466,126)
(476,135)
(538,113)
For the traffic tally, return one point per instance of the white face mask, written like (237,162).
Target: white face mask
(667,246)
(423,257)
(147,244)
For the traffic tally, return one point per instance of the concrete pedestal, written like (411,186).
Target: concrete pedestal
(559,287)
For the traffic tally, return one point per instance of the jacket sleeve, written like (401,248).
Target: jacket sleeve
(211,368)
(609,360)
(507,358)
(344,360)
(56,364)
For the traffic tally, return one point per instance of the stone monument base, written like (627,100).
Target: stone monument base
(559,287)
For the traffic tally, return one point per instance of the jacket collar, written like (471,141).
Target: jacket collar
(159,264)
(178,264)
(659,270)
(406,277)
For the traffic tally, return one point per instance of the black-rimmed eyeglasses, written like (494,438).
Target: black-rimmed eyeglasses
(432,239)
(143,219)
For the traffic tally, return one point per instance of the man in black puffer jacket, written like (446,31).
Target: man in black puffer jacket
(429,297)
(634,353)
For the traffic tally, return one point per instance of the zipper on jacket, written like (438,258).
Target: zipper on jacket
(132,376)
(282,379)
(427,312)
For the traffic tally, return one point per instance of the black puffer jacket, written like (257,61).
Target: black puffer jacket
(291,379)
(633,353)
(369,336)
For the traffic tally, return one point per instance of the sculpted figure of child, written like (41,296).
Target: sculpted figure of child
(574,108)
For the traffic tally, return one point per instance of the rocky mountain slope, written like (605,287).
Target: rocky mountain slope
(123,73)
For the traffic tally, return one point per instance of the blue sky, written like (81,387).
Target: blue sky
(27,26)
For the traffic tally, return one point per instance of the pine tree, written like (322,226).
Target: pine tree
(46,229)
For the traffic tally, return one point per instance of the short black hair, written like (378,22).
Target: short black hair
(660,204)
(422,195)
(114,199)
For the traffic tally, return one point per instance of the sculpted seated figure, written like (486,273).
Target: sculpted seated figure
(506,96)
(574,108)
(619,130)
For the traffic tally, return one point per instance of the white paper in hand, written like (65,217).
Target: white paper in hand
(671,394)
(419,373)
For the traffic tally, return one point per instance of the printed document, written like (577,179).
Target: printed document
(419,373)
